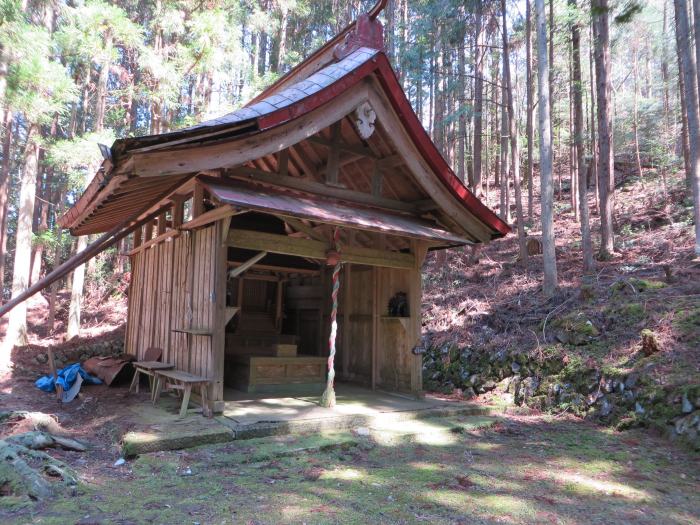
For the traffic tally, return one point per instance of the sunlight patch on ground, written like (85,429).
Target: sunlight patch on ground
(441,438)
(346,474)
(584,485)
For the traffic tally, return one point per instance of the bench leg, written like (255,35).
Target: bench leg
(135,381)
(156,389)
(205,402)
(185,400)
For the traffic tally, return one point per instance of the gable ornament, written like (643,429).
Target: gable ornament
(364,120)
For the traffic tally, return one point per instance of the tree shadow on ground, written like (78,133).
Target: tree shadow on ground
(524,470)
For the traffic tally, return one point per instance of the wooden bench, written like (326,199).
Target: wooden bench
(183,381)
(147,368)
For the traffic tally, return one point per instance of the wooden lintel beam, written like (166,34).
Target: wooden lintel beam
(310,186)
(156,240)
(313,249)
(210,216)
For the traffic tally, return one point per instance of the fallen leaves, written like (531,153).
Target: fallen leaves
(313,473)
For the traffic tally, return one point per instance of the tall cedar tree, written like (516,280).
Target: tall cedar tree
(549,260)
(605,168)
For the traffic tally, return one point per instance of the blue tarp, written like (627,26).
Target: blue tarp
(66,378)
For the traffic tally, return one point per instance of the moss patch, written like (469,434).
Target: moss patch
(535,470)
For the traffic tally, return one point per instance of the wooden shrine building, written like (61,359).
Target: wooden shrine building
(233,221)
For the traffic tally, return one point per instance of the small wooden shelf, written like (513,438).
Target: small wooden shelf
(403,320)
(193,331)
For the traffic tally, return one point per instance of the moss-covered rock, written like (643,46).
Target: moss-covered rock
(686,322)
(574,329)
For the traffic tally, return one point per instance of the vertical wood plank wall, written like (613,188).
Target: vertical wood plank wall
(397,368)
(180,284)
(175,284)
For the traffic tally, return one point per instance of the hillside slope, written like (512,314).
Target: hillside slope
(488,328)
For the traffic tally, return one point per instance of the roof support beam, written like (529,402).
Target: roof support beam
(313,249)
(299,226)
(332,166)
(309,186)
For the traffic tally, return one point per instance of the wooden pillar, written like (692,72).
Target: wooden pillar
(278,306)
(162,223)
(138,234)
(197,200)
(219,332)
(323,330)
(375,323)
(148,231)
(178,212)
(415,294)
(345,335)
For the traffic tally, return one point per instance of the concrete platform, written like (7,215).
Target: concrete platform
(252,416)
(248,416)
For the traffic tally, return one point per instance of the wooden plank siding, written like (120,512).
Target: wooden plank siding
(178,284)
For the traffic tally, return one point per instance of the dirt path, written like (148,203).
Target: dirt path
(523,469)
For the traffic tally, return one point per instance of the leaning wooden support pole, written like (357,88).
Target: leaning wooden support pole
(243,267)
(105,241)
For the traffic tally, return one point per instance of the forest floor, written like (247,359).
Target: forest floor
(497,303)
(517,469)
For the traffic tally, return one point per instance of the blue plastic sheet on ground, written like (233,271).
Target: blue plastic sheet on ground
(66,378)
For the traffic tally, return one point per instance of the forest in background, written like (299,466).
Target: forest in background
(518,96)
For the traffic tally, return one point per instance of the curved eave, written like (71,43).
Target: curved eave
(377,65)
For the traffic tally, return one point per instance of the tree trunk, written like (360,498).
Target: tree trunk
(606,175)
(635,111)
(101,94)
(282,51)
(594,141)
(547,191)
(513,132)
(76,296)
(479,55)
(462,130)
(688,70)
(573,170)
(53,296)
(4,193)
(529,108)
(685,142)
(505,169)
(17,322)
(586,246)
